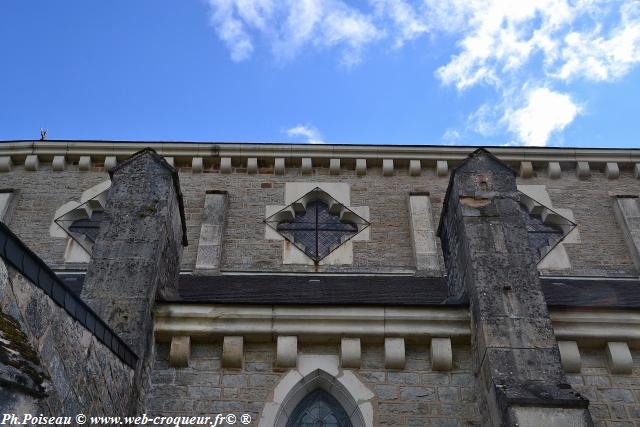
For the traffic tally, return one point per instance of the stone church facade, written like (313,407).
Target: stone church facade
(336,285)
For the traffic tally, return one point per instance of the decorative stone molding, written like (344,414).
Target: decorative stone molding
(6,164)
(252,165)
(32,163)
(110,162)
(334,166)
(441,354)
(78,249)
(526,169)
(319,372)
(538,202)
(212,321)
(59,163)
(612,171)
(553,170)
(225,165)
(394,354)
(180,352)
(387,167)
(197,165)
(570,356)
(415,167)
(84,164)
(286,352)
(306,166)
(232,351)
(278,167)
(361,166)
(619,358)
(350,353)
(583,170)
(636,171)
(442,168)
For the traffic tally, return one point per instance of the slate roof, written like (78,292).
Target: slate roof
(379,290)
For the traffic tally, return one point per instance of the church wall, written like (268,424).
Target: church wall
(84,375)
(614,400)
(601,250)
(413,396)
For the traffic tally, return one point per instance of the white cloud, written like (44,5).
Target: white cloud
(506,45)
(546,112)
(308,132)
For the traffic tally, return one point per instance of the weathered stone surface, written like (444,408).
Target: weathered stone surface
(180,351)
(143,210)
(489,263)
(214,218)
(232,352)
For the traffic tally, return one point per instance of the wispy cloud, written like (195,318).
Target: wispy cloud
(503,44)
(308,133)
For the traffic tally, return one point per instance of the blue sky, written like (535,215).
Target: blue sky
(491,72)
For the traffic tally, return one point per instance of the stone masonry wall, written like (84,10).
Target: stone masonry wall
(602,250)
(413,396)
(614,399)
(86,377)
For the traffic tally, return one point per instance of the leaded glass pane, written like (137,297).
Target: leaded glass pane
(319,409)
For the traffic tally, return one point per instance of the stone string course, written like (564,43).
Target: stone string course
(602,250)
(413,396)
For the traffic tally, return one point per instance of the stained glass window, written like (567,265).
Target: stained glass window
(317,224)
(319,409)
(88,226)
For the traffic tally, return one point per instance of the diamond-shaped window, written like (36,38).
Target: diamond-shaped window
(545,227)
(317,224)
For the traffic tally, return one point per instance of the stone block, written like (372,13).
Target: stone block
(526,169)
(441,354)
(32,163)
(334,166)
(110,162)
(6,164)
(180,351)
(225,165)
(415,167)
(232,351)
(350,353)
(197,165)
(252,165)
(442,168)
(278,167)
(306,167)
(59,163)
(394,354)
(84,164)
(570,356)
(361,166)
(387,167)
(612,171)
(170,160)
(636,170)
(583,170)
(553,170)
(619,358)
(286,352)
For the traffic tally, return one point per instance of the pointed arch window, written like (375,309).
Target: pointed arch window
(319,409)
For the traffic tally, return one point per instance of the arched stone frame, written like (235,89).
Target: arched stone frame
(91,198)
(322,372)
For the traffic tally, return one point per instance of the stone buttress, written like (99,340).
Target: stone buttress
(136,256)
(490,265)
